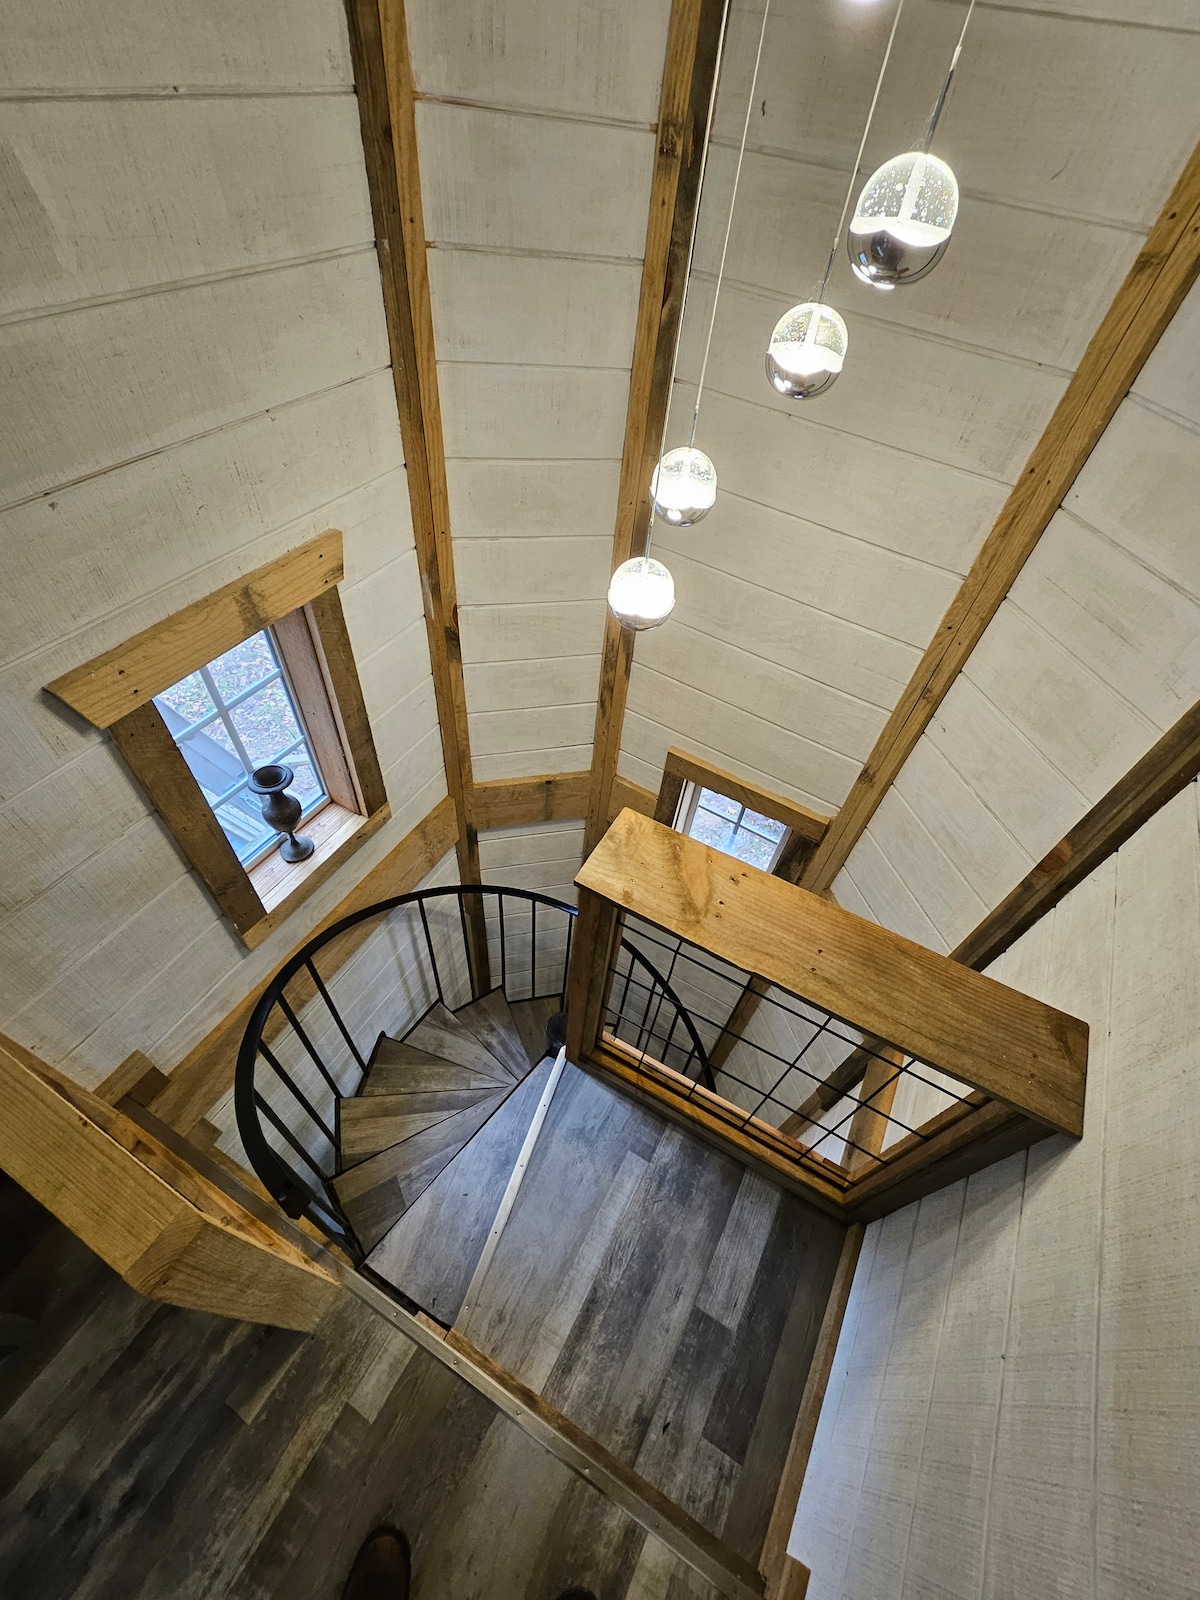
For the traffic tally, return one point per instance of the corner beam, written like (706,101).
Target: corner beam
(685,106)
(386,105)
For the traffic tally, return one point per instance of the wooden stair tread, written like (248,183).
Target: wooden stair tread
(432,1251)
(373,1123)
(387,1077)
(492,1023)
(531,1017)
(376,1193)
(441,1033)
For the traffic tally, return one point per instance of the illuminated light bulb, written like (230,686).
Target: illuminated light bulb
(902,223)
(684,486)
(807,351)
(641,594)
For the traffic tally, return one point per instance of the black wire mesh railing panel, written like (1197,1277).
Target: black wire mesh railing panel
(841,1094)
(376,974)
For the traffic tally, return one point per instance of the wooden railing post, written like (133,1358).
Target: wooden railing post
(154,1218)
(588,979)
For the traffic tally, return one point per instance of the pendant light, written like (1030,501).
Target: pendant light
(905,214)
(684,485)
(641,594)
(808,347)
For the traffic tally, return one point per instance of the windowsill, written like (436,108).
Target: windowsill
(282,886)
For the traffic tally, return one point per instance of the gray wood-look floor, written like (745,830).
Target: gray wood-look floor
(148,1452)
(665,1298)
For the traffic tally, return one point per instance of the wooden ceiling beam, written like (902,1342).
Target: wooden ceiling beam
(1165,769)
(386,104)
(1165,269)
(685,106)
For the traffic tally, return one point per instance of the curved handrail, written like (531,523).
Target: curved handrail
(285,1185)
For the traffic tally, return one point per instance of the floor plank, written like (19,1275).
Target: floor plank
(149,1481)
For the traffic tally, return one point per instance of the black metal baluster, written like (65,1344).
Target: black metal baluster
(335,1014)
(281,1127)
(309,1047)
(296,1092)
(437,977)
(462,917)
(533,949)
(503,951)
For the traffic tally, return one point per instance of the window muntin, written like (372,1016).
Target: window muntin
(228,718)
(728,825)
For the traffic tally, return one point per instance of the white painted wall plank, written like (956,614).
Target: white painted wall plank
(539,413)
(475,169)
(280,44)
(538,310)
(581,64)
(91,388)
(105,197)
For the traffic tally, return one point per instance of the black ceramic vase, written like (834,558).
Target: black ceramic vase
(281,811)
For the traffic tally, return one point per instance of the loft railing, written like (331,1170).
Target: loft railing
(871,1071)
(310,1038)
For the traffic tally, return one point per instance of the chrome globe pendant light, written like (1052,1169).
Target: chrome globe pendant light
(905,214)
(683,489)
(684,485)
(808,346)
(641,593)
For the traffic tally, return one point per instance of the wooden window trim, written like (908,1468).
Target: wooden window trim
(806,828)
(296,597)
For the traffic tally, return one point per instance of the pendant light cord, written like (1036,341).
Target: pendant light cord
(940,105)
(737,175)
(862,145)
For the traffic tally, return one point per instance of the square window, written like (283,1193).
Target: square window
(232,716)
(727,825)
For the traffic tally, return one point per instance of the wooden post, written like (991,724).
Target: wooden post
(868,1125)
(170,1233)
(588,980)
(774,1563)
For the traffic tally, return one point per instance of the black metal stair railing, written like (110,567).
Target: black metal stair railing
(311,1035)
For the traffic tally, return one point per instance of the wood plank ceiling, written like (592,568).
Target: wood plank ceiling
(844,527)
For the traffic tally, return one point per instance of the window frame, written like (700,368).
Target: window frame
(295,597)
(805,828)
(223,706)
(689,804)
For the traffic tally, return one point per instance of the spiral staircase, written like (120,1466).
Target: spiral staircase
(389,1100)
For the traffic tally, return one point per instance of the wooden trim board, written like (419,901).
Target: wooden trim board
(514,802)
(1154,288)
(128,677)
(1011,1047)
(729,1573)
(685,106)
(157,765)
(630,796)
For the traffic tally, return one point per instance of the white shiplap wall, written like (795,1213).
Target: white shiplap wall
(1013,1406)
(194,370)
(844,525)
(1094,655)
(536,135)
